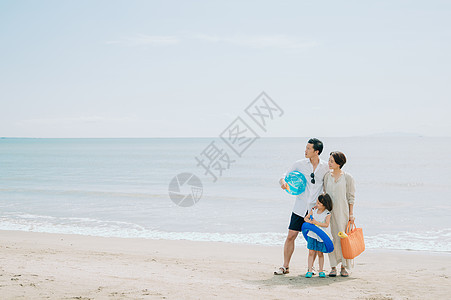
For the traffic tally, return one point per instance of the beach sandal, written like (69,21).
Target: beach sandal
(308,275)
(333,272)
(322,275)
(282,271)
(343,272)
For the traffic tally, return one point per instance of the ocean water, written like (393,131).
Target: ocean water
(119,188)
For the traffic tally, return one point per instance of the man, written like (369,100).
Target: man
(314,170)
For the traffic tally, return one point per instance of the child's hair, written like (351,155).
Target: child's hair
(326,201)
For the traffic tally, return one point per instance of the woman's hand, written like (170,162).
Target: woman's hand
(351,218)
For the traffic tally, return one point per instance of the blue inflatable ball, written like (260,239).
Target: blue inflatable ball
(296,183)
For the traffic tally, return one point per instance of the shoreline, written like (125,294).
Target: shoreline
(64,266)
(233,242)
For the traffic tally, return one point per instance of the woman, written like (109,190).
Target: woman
(340,186)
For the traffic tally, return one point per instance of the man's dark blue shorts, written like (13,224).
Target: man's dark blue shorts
(296,222)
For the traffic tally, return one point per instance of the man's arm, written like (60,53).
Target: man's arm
(282,182)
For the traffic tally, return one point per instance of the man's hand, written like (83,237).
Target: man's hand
(283,184)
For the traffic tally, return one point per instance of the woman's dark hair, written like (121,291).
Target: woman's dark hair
(326,201)
(339,158)
(317,145)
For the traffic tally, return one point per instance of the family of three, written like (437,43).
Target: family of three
(327,202)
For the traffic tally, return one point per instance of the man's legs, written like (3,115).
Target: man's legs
(288,248)
(293,230)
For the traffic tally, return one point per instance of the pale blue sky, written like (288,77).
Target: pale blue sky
(188,68)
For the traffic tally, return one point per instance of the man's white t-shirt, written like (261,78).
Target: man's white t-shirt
(307,200)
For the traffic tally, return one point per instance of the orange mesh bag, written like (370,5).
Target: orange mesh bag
(352,245)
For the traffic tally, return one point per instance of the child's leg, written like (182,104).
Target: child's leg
(311,259)
(321,261)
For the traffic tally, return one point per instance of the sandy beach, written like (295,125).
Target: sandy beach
(55,266)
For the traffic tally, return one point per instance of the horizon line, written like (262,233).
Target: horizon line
(208,137)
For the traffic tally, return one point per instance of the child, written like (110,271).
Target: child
(320,216)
